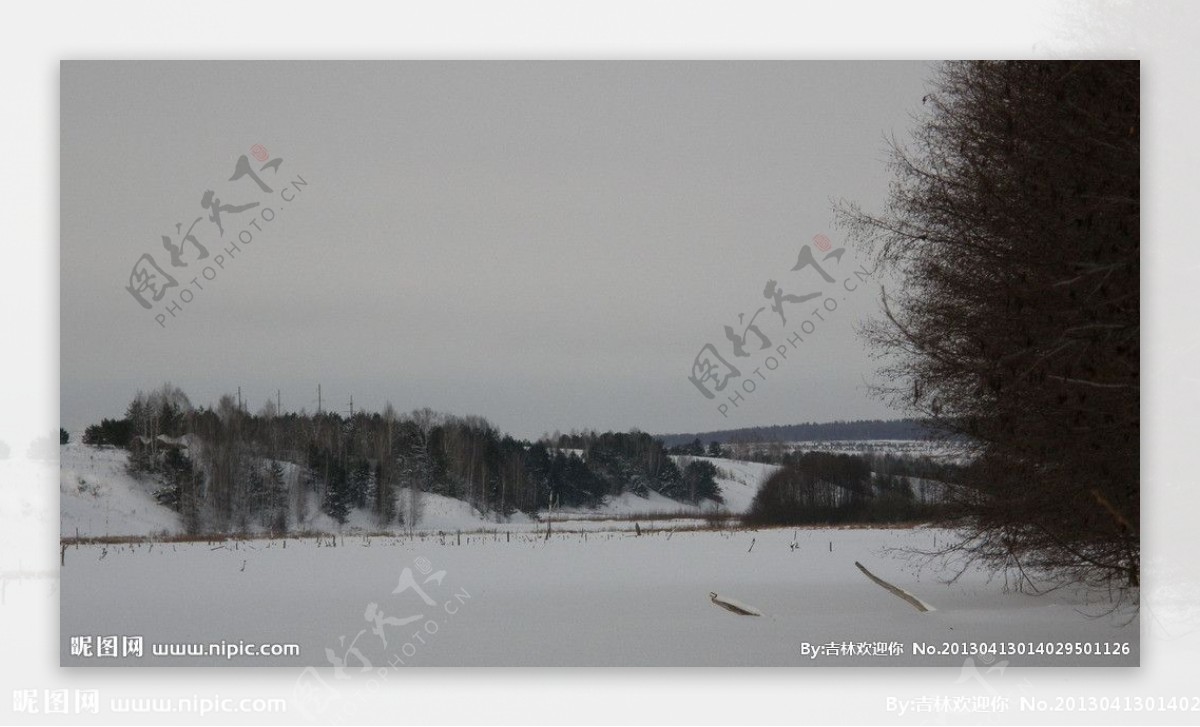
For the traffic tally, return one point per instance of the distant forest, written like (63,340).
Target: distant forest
(811,432)
(225,469)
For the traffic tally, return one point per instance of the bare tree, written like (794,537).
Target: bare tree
(1013,223)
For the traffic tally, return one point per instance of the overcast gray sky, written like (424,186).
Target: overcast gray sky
(548,245)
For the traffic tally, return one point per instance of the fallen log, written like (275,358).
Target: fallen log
(735,606)
(898,592)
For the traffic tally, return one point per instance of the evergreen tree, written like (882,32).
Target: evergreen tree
(276,504)
(337,501)
(256,491)
(361,483)
(383,496)
(670,481)
(700,482)
(109,432)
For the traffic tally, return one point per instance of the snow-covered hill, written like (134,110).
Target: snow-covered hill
(739,480)
(100,498)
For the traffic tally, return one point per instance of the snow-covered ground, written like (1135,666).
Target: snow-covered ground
(739,480)
(934,449)
(628,504)
(98,497)
(610,598)
(593,593)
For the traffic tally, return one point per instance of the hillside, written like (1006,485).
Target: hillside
(99,497)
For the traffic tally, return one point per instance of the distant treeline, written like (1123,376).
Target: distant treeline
(225,469)
(811,432)
(821,488)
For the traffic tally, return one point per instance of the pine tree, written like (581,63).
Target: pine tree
(361,483)
(383,495)
(277,497)
(337,501)
(700,481)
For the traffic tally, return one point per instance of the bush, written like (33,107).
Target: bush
(700,482)
(109,432)
(834,488)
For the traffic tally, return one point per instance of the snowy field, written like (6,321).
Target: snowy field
(931,448)
(608,599)
(481,592)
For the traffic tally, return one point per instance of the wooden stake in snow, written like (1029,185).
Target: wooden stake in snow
(898,592)
(737,607)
